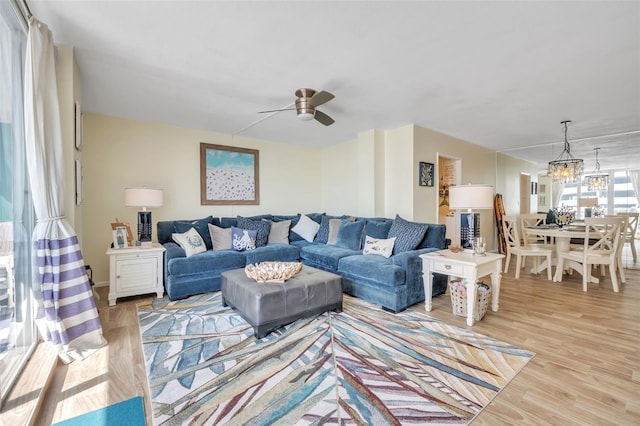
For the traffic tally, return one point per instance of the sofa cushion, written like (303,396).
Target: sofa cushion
(220,237)
(379,246)
(190,241)
(373,268)
(408,234)
(306,228)
(243,239)
(350,235)
(273,252)
(200,225)
(260,226)
(279,232)
(201,263)
(435,237)
(324,256)
(376,228)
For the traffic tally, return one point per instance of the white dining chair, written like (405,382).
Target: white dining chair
(600,247)
(632,228)
(516,248)
(530,220)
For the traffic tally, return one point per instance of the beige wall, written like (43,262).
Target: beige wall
(478,166)
(119,153)
(508,172)
(69,90)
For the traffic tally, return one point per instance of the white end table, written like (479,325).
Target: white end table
(134,271)
(467,266)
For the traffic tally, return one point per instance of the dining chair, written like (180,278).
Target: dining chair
(530,220)
(516,248)
(632,228)
(600,247)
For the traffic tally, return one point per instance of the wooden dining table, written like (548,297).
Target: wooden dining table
(562,237)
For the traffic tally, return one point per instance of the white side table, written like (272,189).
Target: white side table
(134,271)
(464,265)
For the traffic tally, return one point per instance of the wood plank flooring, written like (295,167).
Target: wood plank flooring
(586,370)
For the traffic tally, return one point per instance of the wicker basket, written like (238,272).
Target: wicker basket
(458,293)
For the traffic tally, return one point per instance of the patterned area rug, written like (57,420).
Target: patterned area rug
(361,366)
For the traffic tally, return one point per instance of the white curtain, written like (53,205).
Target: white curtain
(556,191)
(634,175)
(67,314)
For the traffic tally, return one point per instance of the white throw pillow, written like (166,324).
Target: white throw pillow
(190,241)
(382,247)
(279,232)
(306,228)
(220,237)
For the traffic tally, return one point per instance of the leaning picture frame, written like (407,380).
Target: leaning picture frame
(120,238)
(117,224)
(229,175)
(425,174)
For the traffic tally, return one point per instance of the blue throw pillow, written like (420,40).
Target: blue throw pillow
(260,226)
(200,225)
(350,235)
(408,234)
(378,229)
(243,239)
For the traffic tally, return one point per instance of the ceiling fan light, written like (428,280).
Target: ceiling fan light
(305,116)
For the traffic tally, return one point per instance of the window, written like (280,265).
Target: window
(17,327)
(618,197)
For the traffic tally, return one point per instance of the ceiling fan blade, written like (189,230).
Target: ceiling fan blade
(277,110)
(324,118)
(320,98)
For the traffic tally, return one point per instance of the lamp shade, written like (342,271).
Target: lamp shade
(143,197)
(471,197)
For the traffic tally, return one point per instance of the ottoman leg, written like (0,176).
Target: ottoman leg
(338,307)
(224,302)
(260,331)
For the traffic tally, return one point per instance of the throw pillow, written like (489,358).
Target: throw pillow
(220,237)
(279,232)
(200,225)
(377,228)
(243,239)
(306,228)
(382,247)
(260,226)
(350,235)
(190,241)
(334,226)
(408,234)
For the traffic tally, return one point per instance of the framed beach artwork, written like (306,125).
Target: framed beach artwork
(228,175)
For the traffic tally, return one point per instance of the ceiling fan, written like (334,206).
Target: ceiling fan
(308,100)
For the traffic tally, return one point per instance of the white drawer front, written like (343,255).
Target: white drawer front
(448,268)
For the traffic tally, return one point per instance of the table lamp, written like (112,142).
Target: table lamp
(470,197)
(145,198)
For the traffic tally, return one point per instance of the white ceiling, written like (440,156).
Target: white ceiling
(498,74)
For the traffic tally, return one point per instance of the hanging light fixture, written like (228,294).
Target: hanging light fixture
(598,180)
(565,168)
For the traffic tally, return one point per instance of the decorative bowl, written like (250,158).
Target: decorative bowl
(272,272)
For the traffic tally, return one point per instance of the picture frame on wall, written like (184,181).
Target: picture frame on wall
(425,174)
(229,175)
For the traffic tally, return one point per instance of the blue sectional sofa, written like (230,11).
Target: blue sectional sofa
(393,282)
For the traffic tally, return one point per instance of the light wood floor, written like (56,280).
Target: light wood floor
(586,370)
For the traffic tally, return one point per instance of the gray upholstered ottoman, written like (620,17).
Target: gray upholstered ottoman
(267,306)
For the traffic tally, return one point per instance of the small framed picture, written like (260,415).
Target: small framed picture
(129,236)
(120,238)
(425,174)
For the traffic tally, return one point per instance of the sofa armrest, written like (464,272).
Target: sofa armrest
(412,264)
(173,250)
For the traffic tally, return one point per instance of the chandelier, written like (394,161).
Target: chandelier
(598,180)
(565,168)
